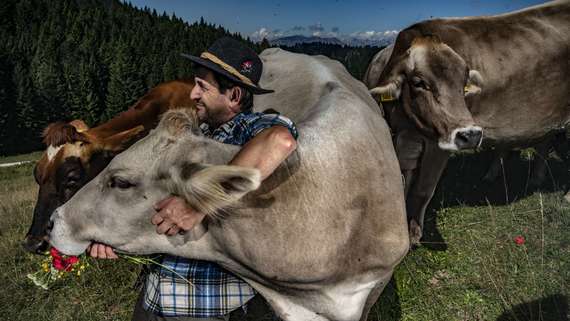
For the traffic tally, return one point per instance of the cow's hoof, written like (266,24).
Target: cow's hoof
(415,233)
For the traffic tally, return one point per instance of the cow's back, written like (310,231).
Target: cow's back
(340,193)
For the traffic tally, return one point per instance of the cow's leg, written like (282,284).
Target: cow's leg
(409,147)
(561,145)
(495,169)
(540,166)
(433,162)
(284,306)
(562,148)
(371,300)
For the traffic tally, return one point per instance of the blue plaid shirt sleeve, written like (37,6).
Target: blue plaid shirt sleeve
(259,121)
(247,125)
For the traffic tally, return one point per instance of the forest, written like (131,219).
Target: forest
(91,59)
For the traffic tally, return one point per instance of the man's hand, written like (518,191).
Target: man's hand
(101,251)
(174,215)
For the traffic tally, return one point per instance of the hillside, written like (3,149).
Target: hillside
(89,59)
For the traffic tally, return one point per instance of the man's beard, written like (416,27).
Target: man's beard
(202,113)
(214,118)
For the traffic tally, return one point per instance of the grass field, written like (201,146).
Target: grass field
(470,268)
(24,157)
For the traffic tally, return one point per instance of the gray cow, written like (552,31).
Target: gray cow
(319,239)
(491,81)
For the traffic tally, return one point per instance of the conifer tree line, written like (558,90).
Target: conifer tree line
(88,59)
(355,59)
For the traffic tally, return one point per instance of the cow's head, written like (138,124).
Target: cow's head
(116,207)
(432,81)
(73,157)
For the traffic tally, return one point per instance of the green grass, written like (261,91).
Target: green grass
(481,275)
(34,156)
(484,274)
(104,292)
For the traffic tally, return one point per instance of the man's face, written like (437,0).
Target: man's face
(213,107)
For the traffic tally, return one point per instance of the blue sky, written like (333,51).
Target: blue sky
(270,18)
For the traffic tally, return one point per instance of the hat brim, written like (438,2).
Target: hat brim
(218,69)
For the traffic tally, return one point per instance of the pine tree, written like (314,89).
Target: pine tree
(125,83)
(28,124)
(7,105)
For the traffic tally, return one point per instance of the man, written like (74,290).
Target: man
(227,77)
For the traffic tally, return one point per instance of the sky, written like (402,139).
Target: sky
(271,19)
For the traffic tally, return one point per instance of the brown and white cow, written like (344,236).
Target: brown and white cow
(319,239)
(76,154)
(422,162)
(497,81)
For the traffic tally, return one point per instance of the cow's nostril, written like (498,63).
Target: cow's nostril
(35,245)
(467,139)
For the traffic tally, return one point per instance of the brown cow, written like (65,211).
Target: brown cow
(496,81)
(76,154)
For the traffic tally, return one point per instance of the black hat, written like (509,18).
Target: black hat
(235,61)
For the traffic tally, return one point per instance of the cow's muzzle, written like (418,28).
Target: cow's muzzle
(35,244)
(38,244)
(468,138)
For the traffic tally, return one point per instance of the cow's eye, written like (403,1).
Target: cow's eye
(419,83)
(119,182)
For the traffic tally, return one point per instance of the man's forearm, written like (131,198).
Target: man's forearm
(266,150)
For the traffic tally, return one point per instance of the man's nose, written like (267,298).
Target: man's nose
(196,93)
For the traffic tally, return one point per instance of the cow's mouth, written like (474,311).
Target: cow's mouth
(35,244)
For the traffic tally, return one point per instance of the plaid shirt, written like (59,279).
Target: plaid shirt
(214,291)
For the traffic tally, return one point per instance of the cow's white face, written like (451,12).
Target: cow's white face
(116,207)
(433,80)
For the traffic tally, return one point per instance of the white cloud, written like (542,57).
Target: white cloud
(373,35)
(266,33)
(317,30)
(324,34)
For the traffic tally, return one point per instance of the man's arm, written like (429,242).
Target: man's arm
(264,152)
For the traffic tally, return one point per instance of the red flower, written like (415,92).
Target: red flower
(69,262)
(519,240)
(60,262)
(54,253)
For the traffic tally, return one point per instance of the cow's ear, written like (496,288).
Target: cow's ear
(122,140)
(392,78)
(389,92)
(474,83)
(178,121)
(79,125)
(210,189)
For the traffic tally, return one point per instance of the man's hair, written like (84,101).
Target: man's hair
(225,83)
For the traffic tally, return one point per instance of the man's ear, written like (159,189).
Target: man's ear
(235,99)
